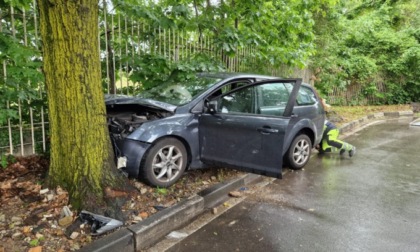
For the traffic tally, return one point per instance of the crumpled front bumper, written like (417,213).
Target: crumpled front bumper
(134,152)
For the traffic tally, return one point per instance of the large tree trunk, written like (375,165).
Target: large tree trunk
(81,153)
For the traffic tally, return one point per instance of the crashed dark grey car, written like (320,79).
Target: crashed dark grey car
(248,122)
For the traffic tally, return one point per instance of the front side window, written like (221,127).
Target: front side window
(275,94)
(274,98)
(240,101)
(229,87)
(266,99)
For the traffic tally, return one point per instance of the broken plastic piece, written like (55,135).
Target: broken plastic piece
(99,223)
(66,212)
(122,162)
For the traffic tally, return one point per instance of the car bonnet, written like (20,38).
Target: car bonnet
(126,99)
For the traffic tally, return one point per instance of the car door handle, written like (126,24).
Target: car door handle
(267,130)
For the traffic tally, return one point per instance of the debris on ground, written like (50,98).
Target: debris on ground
(99,223)
(235,194)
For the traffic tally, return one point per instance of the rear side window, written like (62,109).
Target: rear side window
(305,96)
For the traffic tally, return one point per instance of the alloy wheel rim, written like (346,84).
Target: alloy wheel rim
(301,152)
(167,163)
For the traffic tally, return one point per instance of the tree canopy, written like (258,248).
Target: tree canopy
(374,44)
(282,31)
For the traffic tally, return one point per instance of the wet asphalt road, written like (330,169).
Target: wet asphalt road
(370,202)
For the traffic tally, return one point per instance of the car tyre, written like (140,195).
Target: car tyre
(299,152)
(165,163)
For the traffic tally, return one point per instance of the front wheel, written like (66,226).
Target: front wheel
(299,152)
(165,163)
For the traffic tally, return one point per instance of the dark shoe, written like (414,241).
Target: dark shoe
(352,151)
(342,152)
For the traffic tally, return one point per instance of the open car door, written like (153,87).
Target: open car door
(245,128)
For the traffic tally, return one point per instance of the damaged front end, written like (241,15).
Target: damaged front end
(124,120)
(125,115)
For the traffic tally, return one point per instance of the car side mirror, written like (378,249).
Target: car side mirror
(212,107)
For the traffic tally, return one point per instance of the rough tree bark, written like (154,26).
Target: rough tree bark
(81,153)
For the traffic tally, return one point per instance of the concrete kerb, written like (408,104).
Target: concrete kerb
(121,240)
(144,234)
(152,229)
(215,195)
(348,127)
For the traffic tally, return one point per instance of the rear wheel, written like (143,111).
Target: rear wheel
(299,152)
(165,163)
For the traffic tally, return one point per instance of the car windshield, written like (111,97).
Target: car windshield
(179,93)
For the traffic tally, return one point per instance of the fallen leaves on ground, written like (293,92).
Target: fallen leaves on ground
(34,218)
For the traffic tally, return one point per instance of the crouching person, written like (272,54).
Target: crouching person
(331,143)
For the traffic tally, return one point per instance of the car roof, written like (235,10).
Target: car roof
(228,75)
